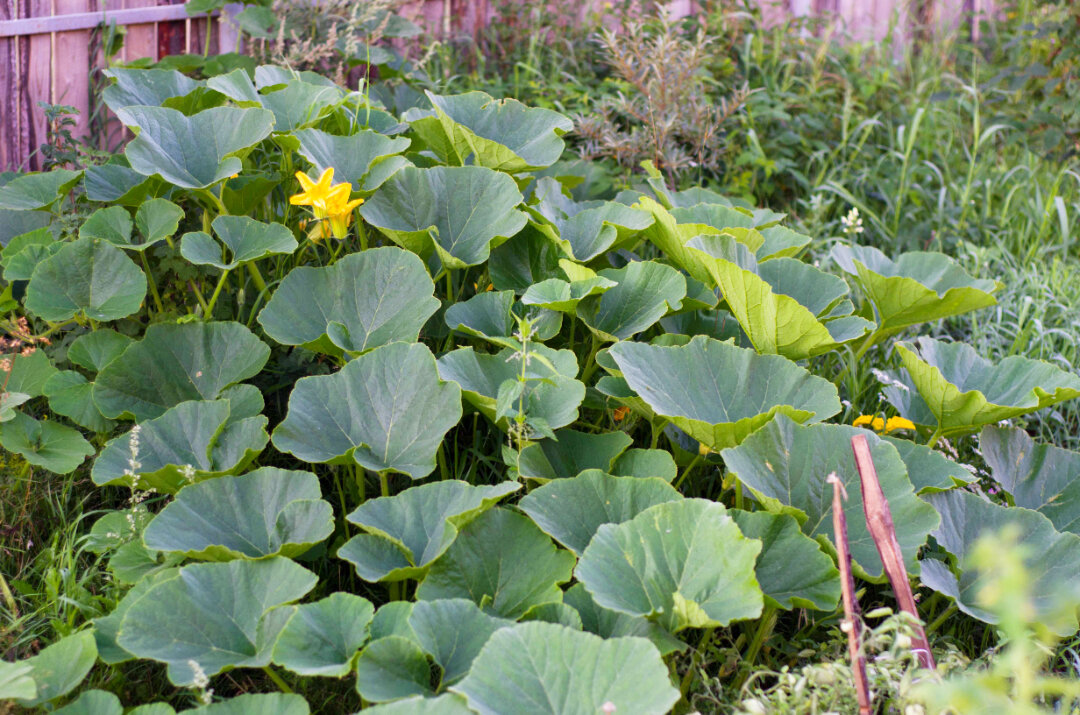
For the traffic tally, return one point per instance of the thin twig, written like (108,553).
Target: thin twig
(851,624)
(880,523)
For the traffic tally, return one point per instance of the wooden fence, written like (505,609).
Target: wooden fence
(48,47)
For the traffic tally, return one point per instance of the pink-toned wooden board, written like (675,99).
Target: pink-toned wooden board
(11,149)
(35,73)
(141,40)
(71,52)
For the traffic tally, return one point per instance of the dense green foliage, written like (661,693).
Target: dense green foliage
(380,399)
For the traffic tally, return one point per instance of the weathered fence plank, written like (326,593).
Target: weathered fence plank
(35,73)
(71,64)
(10,150)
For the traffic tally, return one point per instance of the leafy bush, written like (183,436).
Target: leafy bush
(391,406)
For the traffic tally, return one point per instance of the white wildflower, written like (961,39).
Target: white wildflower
(888,380)
(852,222)
(133,452)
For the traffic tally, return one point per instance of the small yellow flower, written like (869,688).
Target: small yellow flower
(315,192)
(876,423)
(702,449)
(329,204)
(620,413)
(879,425)
(895,423)
(339,209)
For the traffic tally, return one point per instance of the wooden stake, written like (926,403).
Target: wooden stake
(851,624)
(880,523)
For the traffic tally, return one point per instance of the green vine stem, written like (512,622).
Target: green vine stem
(277,680)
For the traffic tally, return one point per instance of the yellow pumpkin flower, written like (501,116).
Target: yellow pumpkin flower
(895,423)
(879,425)
(330,204)
(876,423)
(339,209)
(315,192)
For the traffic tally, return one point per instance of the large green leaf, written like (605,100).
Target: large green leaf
(965,391)
(96,349)
(486,315)
(15,223)
(583,230)
(570,453)
(528,259)
(93,702)
(445,704)
(645,291)
(262,703)
(1051,558)
(30,373)
(916,288)
(188,443)
(1040,477)
(671,238)
(501,134)
(214,615)
(37,190)
(296,99)
(72,395)
(450,631)
(176,363)
(264,513)
(323,638)
(112,224)
(156,220)
(385,410)
(24,251)
(781,304)
(787,465)
(89,277)
(197,151)
(59,668)
(502,562)
(245,238)
(571,510)
(107,628)
(362,301)
(548,669)
(607,623)
(404,534)
(552,395)
(564,296)
(719,393)
(713,214)
(17,681)
(683,563)
(300,104)
(791,569)
(119,183)
(392,667)
(460,213)
(366,159)
(146,87)
(928,469)
(48,444)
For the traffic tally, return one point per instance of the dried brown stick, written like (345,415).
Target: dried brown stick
(880,523)
(851,624)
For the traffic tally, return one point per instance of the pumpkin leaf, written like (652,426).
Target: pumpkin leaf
(329,418)
(719,393)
